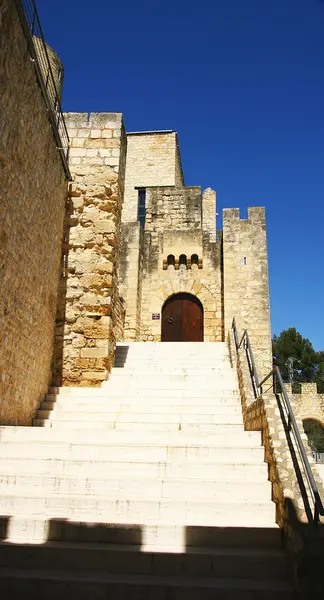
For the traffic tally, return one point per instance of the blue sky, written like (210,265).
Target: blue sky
(242,81)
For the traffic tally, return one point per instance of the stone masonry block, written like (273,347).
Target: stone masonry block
(94,352)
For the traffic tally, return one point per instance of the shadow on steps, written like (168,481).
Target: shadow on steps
(96,561)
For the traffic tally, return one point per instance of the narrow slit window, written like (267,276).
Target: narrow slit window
(141,206)
(183,261)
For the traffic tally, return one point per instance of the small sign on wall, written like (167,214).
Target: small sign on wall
(156,316)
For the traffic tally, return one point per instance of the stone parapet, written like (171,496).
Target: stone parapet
(245,273)
(308,404)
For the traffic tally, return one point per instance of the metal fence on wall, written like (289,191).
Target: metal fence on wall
(318,457)
(49,74)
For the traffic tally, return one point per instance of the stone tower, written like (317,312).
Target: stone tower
(142,259)
(171,251)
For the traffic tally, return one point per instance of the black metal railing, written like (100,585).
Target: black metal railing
(44,67)
(287,415)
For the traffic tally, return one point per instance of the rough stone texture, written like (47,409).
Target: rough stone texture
(153,158)
(131,277)
(33,191)
(209,213)
(55,62)
(246,290)
(173,226)
(89,312)
(308,404)
(119,319)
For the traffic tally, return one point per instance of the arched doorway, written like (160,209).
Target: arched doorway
(182,319)
(315,433)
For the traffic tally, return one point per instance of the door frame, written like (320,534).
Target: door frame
(188,296)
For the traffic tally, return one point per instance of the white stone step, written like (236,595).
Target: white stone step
(183,376)
(169,391)
(177,357)
(240,439)
(213,369)
(137,488)
(127,558)
(127,451)
(175,389)
(131,511)
(257,471)
(176,362)
(130,417)
(106,407)
(33,529)
(144,427)
(222,371)
(70,585)
(166,346)
(147,398)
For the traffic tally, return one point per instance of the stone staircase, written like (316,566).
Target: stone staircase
(147,488)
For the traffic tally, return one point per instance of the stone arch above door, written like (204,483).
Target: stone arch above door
(151,329)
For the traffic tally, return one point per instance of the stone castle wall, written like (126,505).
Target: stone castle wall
(172,208)
(33,193)
(308,404)
(174,226)
(246,288)
(152,159)
(89,311)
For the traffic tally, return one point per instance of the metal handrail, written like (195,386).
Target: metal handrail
(32,29)
(292,424)
(245,341)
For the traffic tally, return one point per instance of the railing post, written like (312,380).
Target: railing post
(235,334)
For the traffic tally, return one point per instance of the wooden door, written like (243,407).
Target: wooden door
(182,319)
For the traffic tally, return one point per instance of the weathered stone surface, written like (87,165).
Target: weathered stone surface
(91,253)
(152,159)
(33,193)
(246,288)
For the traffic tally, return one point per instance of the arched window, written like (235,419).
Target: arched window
(194,259)
(171,261)
(183,261)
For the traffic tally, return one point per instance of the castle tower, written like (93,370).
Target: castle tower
(180,281)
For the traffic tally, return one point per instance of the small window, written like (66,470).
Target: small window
(183,261)
(171,261)
(141,206)
(194,259)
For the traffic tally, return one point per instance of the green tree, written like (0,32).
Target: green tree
(308,364)
(315,433)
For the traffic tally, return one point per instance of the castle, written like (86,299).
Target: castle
(102,245)
(137,252)
(176,278)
